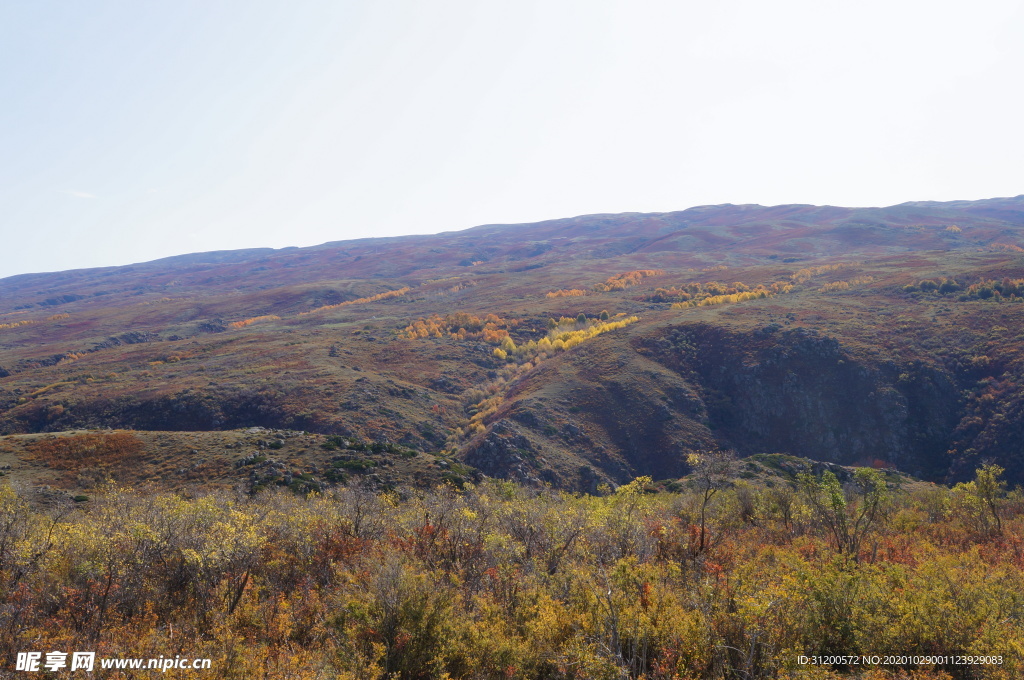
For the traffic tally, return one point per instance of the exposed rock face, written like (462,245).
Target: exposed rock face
(802,393)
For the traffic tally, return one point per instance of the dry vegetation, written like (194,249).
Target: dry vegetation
(718,579)
(300,445)
(72,464)
(86,450)
(612,284)
(460,326)
(387,295)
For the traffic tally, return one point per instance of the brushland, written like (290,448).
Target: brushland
(734,571)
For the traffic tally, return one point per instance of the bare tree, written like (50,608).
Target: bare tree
(712,471)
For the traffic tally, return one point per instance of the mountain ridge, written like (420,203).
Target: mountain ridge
(727,211)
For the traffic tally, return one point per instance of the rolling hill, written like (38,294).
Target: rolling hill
(572,352)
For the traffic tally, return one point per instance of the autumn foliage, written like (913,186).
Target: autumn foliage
(808,273)
(713,293)
(90,449)
(613,283)
(483,401)
(626,279)
(997,290)
(255,319)
(697,292)
(387,295)
(29,322)
(501,581)
(563,334)
(460,326)
(24,322)
(835,286)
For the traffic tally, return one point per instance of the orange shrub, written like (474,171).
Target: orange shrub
(255,319)
(572,292)
(626,279)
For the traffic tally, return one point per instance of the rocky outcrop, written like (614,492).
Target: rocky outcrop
(802,393)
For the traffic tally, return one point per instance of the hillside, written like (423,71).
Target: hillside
(573,352)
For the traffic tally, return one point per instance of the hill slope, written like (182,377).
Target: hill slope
(886,336)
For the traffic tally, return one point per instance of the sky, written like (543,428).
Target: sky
(135,130)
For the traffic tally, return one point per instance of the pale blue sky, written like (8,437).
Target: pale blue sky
(134,130)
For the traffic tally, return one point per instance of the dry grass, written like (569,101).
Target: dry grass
(93,449)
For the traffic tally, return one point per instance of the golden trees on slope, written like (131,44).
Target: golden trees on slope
(483,401)
(387,295)
(460,326)
(613,283)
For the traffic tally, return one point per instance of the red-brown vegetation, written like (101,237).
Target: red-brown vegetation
(91,449)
